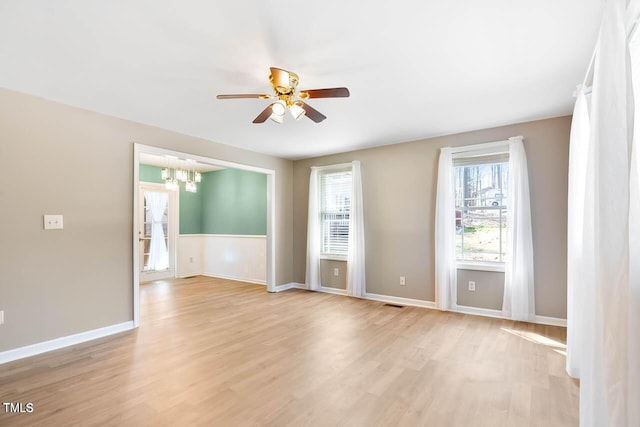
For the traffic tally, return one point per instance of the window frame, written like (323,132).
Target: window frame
(467,153)
(325,170)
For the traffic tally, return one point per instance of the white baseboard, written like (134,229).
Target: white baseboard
(239,279)
(478,311)
(287,286)
(553,321)
(328,290)
(487,312)
(324,289)
(185,275)
(58,343)
(400,300)
(372,297)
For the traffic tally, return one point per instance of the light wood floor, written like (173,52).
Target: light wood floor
(217,352)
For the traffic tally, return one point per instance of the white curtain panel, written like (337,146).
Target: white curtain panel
(604,337)
(445,232)
(356,283)
(576,233)
(632,15)
(312,278)
(582,353)
(519,297)
(158,252)
(610,363)
(634,239)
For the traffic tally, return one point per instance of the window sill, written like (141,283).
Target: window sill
(332,257)
(499,268)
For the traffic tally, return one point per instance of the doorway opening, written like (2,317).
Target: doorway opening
(150,265)
(157,217)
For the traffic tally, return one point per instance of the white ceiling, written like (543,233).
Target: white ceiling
(415,68)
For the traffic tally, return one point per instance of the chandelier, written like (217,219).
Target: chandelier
(174,175)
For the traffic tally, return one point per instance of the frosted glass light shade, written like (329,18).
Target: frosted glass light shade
(297,111)
(171,184)
(181,175)
(277,118)
(278,108)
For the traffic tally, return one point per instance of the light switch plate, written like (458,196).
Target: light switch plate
(53,222)
(1,317)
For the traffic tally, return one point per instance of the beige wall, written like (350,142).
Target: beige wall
(399,192)
(327,276)
(489,289)
(62,160)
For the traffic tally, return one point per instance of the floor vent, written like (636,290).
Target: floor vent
(394,305)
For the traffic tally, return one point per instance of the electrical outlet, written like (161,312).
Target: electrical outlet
(402,281)
(191,259)
(1,317)
(336,272)
(472,286)
(53,222)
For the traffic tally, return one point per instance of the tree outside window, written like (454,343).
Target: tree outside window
(481,212)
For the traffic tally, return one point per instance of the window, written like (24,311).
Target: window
(148,227)
(335,209)
(480,207)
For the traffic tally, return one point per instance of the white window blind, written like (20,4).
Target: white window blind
(335,208)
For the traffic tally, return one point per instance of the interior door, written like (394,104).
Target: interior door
(156,236)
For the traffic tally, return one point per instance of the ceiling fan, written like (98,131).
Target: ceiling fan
(288,97)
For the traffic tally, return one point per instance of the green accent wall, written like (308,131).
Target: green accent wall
(190,211)
(235,202)
(228,201)
(150,174)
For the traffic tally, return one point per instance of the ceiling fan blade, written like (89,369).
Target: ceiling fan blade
(262,117)
(244,95)
(336,92)
(312,113)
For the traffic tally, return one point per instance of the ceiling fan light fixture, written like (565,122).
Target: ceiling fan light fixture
(297,111)
(288,97)
(278,108)
(277,118)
